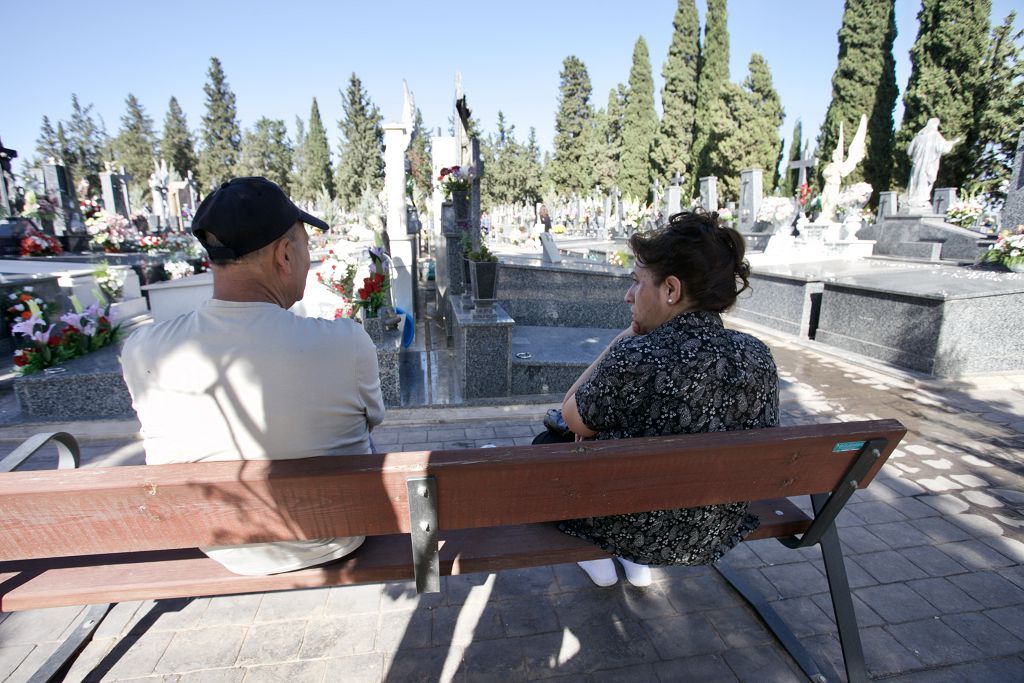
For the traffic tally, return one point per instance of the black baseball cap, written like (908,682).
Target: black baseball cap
(246,214)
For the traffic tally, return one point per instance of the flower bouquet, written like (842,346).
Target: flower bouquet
(178,269)
(455,179)
(338,274)
(776,210)
(374,294)
(150,244)
(964,212)
(110,232)
(35,243)
(21,303)
(43,207)
(82,331)
(110,282)
(1008,250)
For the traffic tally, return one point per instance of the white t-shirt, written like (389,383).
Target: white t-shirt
(252,381)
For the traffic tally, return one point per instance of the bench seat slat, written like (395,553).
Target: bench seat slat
(32,584)
(133,509)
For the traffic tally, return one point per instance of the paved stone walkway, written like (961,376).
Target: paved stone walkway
(933,547)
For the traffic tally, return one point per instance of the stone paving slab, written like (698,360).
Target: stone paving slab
(935,554)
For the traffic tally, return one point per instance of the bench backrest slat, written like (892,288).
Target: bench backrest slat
(128,509)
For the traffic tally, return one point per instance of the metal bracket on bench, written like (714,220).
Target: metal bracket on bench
(67,451)
(423,528)
(826,515)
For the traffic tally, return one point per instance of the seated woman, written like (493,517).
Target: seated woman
(675,370)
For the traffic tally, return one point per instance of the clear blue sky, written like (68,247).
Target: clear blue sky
(279,55)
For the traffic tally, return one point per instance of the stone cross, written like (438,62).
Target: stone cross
(802,165)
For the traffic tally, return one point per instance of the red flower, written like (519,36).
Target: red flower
(25,297)
(55,340)
(26,315)
(361,293)
(21,360)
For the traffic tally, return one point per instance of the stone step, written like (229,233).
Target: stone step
(547,360)
(931,251)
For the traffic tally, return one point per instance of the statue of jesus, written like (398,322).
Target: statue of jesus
(925,150)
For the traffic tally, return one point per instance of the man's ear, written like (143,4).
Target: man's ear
(284,257)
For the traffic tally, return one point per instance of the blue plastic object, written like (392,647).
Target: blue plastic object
(408,328)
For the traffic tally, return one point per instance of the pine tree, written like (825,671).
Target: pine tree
(266,152)
(1002,116)
(639,126)
(220,133)
(864,83)
(420,158)
(85,143)
(361,158)
(946,81)
(47,145)
(713,75)
(672,150)
(791,177)
(177,145)
(315,174)
(66,154)
(765,147)
(135,144)
(570,170)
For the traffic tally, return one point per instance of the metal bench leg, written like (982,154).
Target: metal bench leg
(842,600)
(55,667)
(774,623)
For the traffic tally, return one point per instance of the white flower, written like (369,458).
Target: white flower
(28,288)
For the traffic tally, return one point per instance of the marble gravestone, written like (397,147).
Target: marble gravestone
(751,191)
(1013,209)
(57,182)
(942,199)
(709,193)
(673,197)
(115,193)
(551,254)
(887,204)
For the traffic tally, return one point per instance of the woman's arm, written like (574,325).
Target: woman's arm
(570,411)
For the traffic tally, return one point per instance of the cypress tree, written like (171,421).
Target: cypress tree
(734,140)
(765,146)
(672,151)
(66,154)
(85,142)
(946,80)
(791,177)
(864,82)
(298,160)
(315,174)
(47,145)
(177,145)
(220,133)
(570,170)
(266,152)
(639,126)
(712,78)
(420,157)
(533,172)
(135,144)
(361,158)
(1002,116)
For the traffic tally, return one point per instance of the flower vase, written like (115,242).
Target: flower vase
(374,326)
(460,202)
(484,283)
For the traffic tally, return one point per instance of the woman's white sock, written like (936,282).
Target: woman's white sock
(601,572)
(637,574)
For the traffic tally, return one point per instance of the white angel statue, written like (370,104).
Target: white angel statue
(838,168)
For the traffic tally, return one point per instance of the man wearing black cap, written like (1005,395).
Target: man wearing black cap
(241,377)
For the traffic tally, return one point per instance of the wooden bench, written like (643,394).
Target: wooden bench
(103,535)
